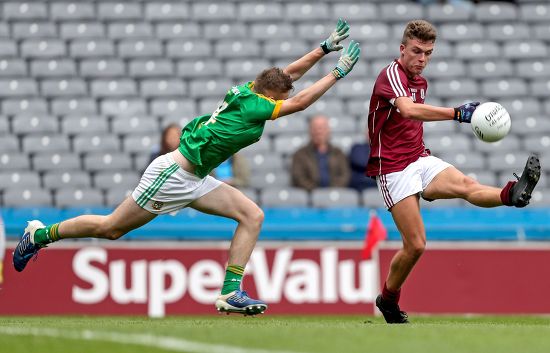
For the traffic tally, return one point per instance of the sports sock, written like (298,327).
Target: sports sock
(233,278)
(505,193)
(390,296)
(47,235)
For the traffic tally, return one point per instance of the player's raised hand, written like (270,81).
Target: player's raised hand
(463,114)
(347,60)
(332,43)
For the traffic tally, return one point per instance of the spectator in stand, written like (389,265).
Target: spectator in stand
(319,163)
(234,171)
(169,140)
(358,158)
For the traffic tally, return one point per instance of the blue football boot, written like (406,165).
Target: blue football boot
(26,249)
(239,302)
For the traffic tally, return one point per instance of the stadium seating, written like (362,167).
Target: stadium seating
(86,88)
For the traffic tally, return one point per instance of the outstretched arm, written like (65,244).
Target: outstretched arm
(309,95)
(425,112)
(299,67)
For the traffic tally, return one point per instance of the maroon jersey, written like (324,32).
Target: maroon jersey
(395,142)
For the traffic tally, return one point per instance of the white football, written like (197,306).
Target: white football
(491,122)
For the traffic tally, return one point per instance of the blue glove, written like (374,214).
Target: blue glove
(332,43)
(463,114)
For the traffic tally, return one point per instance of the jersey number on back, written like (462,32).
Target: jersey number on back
(214,115)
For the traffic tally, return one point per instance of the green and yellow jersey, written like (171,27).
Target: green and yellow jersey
(238,122)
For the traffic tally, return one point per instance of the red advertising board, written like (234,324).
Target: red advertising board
(182,278)
(479,278)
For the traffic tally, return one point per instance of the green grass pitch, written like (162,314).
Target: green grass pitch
(274,334)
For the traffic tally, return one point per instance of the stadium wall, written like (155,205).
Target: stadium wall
(158,279)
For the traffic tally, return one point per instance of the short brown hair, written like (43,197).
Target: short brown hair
(422,30)
(273,79)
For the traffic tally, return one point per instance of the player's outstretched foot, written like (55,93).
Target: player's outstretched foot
(520,194)
(392,313)
(239,302)
(26,248)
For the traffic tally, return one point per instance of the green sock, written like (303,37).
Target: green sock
(233,278)
(47,235)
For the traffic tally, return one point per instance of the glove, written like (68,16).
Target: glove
(332,43)
(347,60)
(463,114)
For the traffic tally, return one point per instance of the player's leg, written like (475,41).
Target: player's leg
(227,201)
(451,183)
(126,217)
(407,218)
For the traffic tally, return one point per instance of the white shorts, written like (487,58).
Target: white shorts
(165,187)
(412,180)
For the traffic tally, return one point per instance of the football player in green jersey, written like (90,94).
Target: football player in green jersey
(181,178)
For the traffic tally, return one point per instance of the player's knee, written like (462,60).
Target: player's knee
(416,249)
(253,216)
(110,232)
(468,185)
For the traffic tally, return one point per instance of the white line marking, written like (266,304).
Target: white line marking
(162,342)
